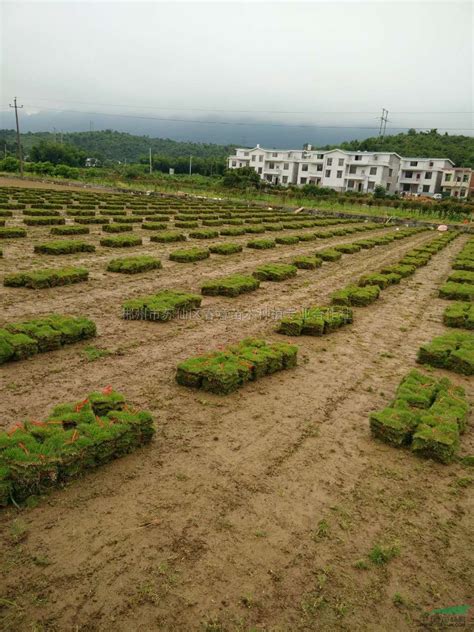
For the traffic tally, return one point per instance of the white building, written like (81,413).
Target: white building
(342,170)
(458,182)
(422,176)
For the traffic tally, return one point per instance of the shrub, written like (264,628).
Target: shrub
(307,262)
(227,248)
(168,236)
(329,254)
(24,339)
(356,296)
(69,230)
(133,265)
(122,241)
(315,321)
(223,372)
(37,279)
(457,291)
(63,247)
(117,228)
(230,286)
(459,315)
(161,306)
(187,256)
(275,272)
(11,232)
(427,414)
(453,351)
(35,456)
(261,244)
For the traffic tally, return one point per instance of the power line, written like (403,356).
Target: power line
(246,124)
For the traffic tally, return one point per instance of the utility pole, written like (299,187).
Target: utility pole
(190,165)
(20,155)
(383,122)
(150,163)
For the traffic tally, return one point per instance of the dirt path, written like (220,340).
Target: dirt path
(247,512)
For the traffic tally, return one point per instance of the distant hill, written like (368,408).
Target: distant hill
(118,146)
(460,149)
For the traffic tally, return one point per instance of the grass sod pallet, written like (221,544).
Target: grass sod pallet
(39,212)
(24,339)
(70,229)
(287,240)
(453,351)
(74,438)
(315,321)
(227,248)
(44,221)
(329,254)
(154,226)
(134,265)
(223,372)
(457,291)
(348,249)
(426,414)
(121,241)
(38,279)
(63,247)
(11,232)
(353,295)
(462,276)
(233,285)
(204,233)
(307,262)
(233,231)
(261,244)
(459,315)
(189,255)
(162,306)
(275,272)
(117,228)
(91,220)
(168,236)
(379,279)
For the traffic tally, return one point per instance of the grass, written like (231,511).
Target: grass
(381,555)
(93,353)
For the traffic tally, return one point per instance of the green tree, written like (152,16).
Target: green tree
(242,178)
(57,154)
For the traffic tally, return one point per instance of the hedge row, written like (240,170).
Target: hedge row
(225,371)
(453,351)
(164,305)
(427,415)
(21,340)
(74,438)
(37,279)
(315,321)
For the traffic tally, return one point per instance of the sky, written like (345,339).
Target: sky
(329,64)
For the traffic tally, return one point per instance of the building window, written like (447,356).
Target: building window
(246,153)
(390,171)
(260,158)
(319,167)
(463,192)
(304,167)
(319,156)
(339,174)
(340,162)
(260,170)
(414,163)
(284,179)
(352,169)
(465,178)
(328,173)
(447,177)
(428,175)
(234,164)
(408,174)
(373,171)
(426,188)
(253,158)
(271,165)
(388,186)
(431,164)
(357,157)
(275,154)
(350,184)
(329,161)
(370,185)
(303,180)
(286,166)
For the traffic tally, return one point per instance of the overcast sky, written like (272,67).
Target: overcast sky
(319,58)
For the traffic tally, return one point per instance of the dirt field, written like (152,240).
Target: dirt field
(253,511)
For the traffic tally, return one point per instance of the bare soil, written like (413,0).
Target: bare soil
(254,511)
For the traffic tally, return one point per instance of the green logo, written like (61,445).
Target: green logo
(459,610)
(454,616)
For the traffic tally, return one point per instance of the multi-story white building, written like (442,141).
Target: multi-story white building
(457,182)
(422,176)
(342,170)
